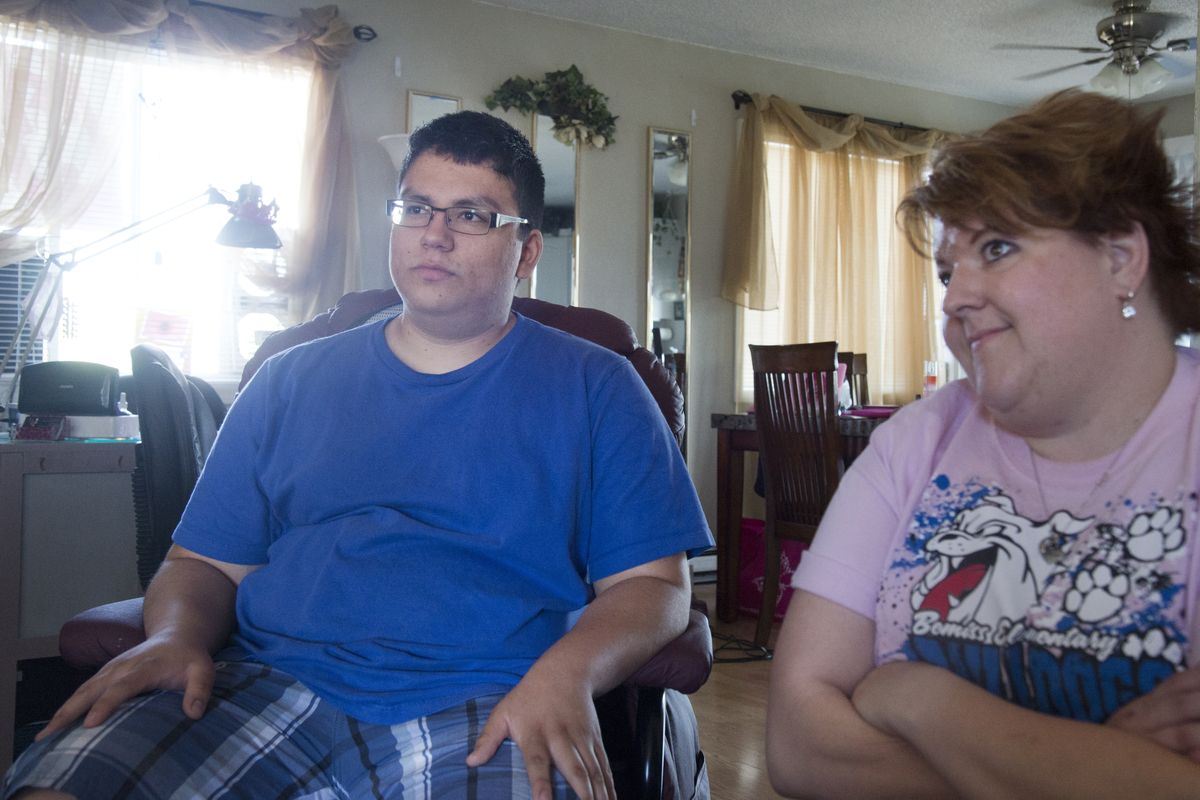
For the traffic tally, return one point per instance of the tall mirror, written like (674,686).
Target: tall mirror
(668,303)
(556,276)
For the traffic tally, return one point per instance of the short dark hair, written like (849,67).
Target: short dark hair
(1074,161)
(472,137)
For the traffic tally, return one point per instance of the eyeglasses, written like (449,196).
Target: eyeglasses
(460,219)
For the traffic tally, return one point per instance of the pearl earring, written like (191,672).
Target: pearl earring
(1127,309)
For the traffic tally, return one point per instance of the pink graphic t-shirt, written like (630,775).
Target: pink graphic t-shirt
(1071,599)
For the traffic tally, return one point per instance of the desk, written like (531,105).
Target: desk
(67,543)
(736,434)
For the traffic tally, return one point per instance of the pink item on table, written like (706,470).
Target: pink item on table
(841,374)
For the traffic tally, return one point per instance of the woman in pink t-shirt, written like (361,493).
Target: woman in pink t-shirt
(1000,600)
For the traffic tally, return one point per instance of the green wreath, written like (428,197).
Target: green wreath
(579,111)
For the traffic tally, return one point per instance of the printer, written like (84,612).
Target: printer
(72,400)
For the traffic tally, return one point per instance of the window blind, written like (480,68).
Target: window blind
(16,282)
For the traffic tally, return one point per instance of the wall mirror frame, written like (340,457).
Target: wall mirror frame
(426,106)
(668,250)
(556,278)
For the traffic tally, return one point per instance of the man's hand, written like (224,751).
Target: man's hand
(1168,715)
(157,663)
(188,615)
(550,714)
(553,720)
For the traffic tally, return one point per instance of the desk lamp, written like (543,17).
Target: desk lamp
(250,227)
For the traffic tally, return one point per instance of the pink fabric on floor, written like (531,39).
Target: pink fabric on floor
(753,564)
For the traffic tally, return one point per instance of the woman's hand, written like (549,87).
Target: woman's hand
(889,690)
(1168,715)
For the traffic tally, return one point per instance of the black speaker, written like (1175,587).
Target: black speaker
(72,388)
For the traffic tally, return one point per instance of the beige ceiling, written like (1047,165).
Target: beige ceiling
(941,45)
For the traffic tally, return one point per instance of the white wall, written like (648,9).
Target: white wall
(1178,120)
(467,49)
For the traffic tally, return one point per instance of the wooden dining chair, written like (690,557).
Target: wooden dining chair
(856,374)
(795,407)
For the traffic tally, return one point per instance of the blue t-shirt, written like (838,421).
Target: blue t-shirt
(427,537)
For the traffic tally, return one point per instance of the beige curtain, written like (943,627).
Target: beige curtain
(48,126)
(323,264)
(848,271)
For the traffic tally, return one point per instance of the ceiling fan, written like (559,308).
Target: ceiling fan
(675,147)
(1130,37)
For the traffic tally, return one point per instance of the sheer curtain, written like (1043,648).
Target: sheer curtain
(59,119)
(821,245)
(56,110)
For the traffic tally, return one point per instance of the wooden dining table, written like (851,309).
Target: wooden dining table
(736,436)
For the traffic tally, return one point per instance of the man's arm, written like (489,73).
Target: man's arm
(817,743)
(550,714)
(188,615)
(987,747)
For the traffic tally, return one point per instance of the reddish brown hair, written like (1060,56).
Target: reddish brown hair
(1074,161)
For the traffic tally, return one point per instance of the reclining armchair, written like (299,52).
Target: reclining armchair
(648,726)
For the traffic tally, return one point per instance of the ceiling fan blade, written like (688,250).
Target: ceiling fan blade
(1047,72)
(1011,46)
(1187,45)
(1165,18)
(1177,68)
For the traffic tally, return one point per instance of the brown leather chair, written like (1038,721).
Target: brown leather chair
(649,733)
(598,326)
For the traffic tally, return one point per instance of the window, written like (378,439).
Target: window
(194,122)
(16,283)
(183,123)
(844,286)
(1182,154)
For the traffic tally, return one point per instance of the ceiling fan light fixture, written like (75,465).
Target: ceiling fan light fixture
(1152,76)
(1148,78)
(1110,80)
(677,172)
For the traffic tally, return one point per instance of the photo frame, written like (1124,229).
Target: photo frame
(427,106)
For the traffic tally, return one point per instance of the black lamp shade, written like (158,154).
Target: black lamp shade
(251,223)
(242,232)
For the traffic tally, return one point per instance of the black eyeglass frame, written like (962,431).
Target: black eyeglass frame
(497,219)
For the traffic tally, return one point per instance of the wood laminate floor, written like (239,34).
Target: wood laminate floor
(731,711)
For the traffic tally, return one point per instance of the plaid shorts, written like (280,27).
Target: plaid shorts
(265,735)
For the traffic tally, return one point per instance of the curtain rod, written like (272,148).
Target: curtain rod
(363,33)
(245,12)
(741,97)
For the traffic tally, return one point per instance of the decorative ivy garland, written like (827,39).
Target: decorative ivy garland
(580,112)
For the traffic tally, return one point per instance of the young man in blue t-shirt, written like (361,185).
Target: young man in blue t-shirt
(424,598)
